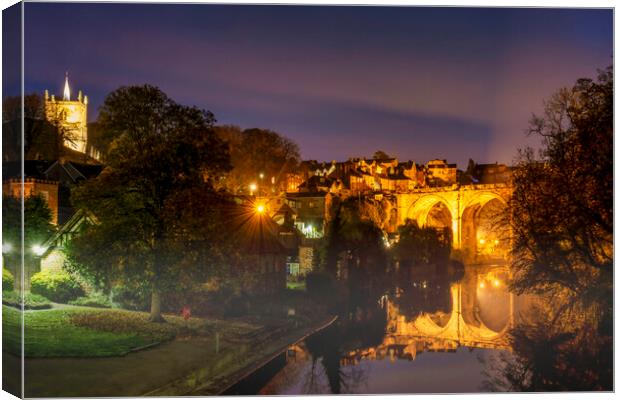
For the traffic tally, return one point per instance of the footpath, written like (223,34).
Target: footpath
(185,366)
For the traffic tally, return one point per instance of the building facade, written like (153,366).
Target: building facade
(34,187)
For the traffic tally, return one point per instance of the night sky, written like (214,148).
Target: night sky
(418,83)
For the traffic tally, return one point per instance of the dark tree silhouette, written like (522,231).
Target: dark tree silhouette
(561,214)
(355,238)
(561,211)
(42,139)
(380,155)
(258,156)
(163,158)
(421,245)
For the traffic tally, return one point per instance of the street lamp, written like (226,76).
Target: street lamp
(252,188)
(38,250)
(260,208)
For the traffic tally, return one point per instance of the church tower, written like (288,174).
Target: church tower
(69,115)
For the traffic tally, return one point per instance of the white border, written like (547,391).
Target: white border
(458,3)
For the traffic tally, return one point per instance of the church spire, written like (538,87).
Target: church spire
(66,93)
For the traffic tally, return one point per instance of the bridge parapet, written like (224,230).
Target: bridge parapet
(456,187)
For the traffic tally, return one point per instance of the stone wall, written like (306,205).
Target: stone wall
(53,261)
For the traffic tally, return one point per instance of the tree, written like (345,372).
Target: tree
(561,211)
(98,140)
(561,215)
(37,229)
(258,156)
(377,211)
(380,155)
(162,158)
(359,240)
(42,139)
(421,245)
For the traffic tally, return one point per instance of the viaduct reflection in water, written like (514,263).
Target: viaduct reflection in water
(429,315)
(478,313)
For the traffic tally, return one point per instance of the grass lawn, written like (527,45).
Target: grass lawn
(87,332)
(296,285)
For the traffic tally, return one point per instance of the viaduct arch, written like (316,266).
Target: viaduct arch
(471,213)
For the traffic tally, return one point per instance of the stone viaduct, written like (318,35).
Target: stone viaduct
(471,212)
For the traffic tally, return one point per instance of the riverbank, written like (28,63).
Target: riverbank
(217,377)
(189,364)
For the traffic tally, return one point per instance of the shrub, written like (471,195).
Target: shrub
(321,286)
(95,300)
(56,286)
(131,298)
(7,280)
(31,301)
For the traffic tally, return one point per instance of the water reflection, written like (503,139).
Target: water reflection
(434,324)
(475,311)
(557,345)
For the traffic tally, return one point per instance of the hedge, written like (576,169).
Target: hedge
(31,301)
(95,300)
(56,286)
(8,280)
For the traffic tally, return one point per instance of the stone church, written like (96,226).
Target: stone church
(71,116)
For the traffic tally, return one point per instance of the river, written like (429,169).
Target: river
(433,334)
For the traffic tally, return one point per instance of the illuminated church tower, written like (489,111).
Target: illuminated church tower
(70,116)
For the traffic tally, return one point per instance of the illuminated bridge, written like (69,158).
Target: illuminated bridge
(472,213)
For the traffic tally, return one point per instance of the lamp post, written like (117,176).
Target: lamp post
(261,176)
(6,248)
(260,210)
(6,261)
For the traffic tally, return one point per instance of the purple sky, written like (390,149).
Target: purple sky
(418,83)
